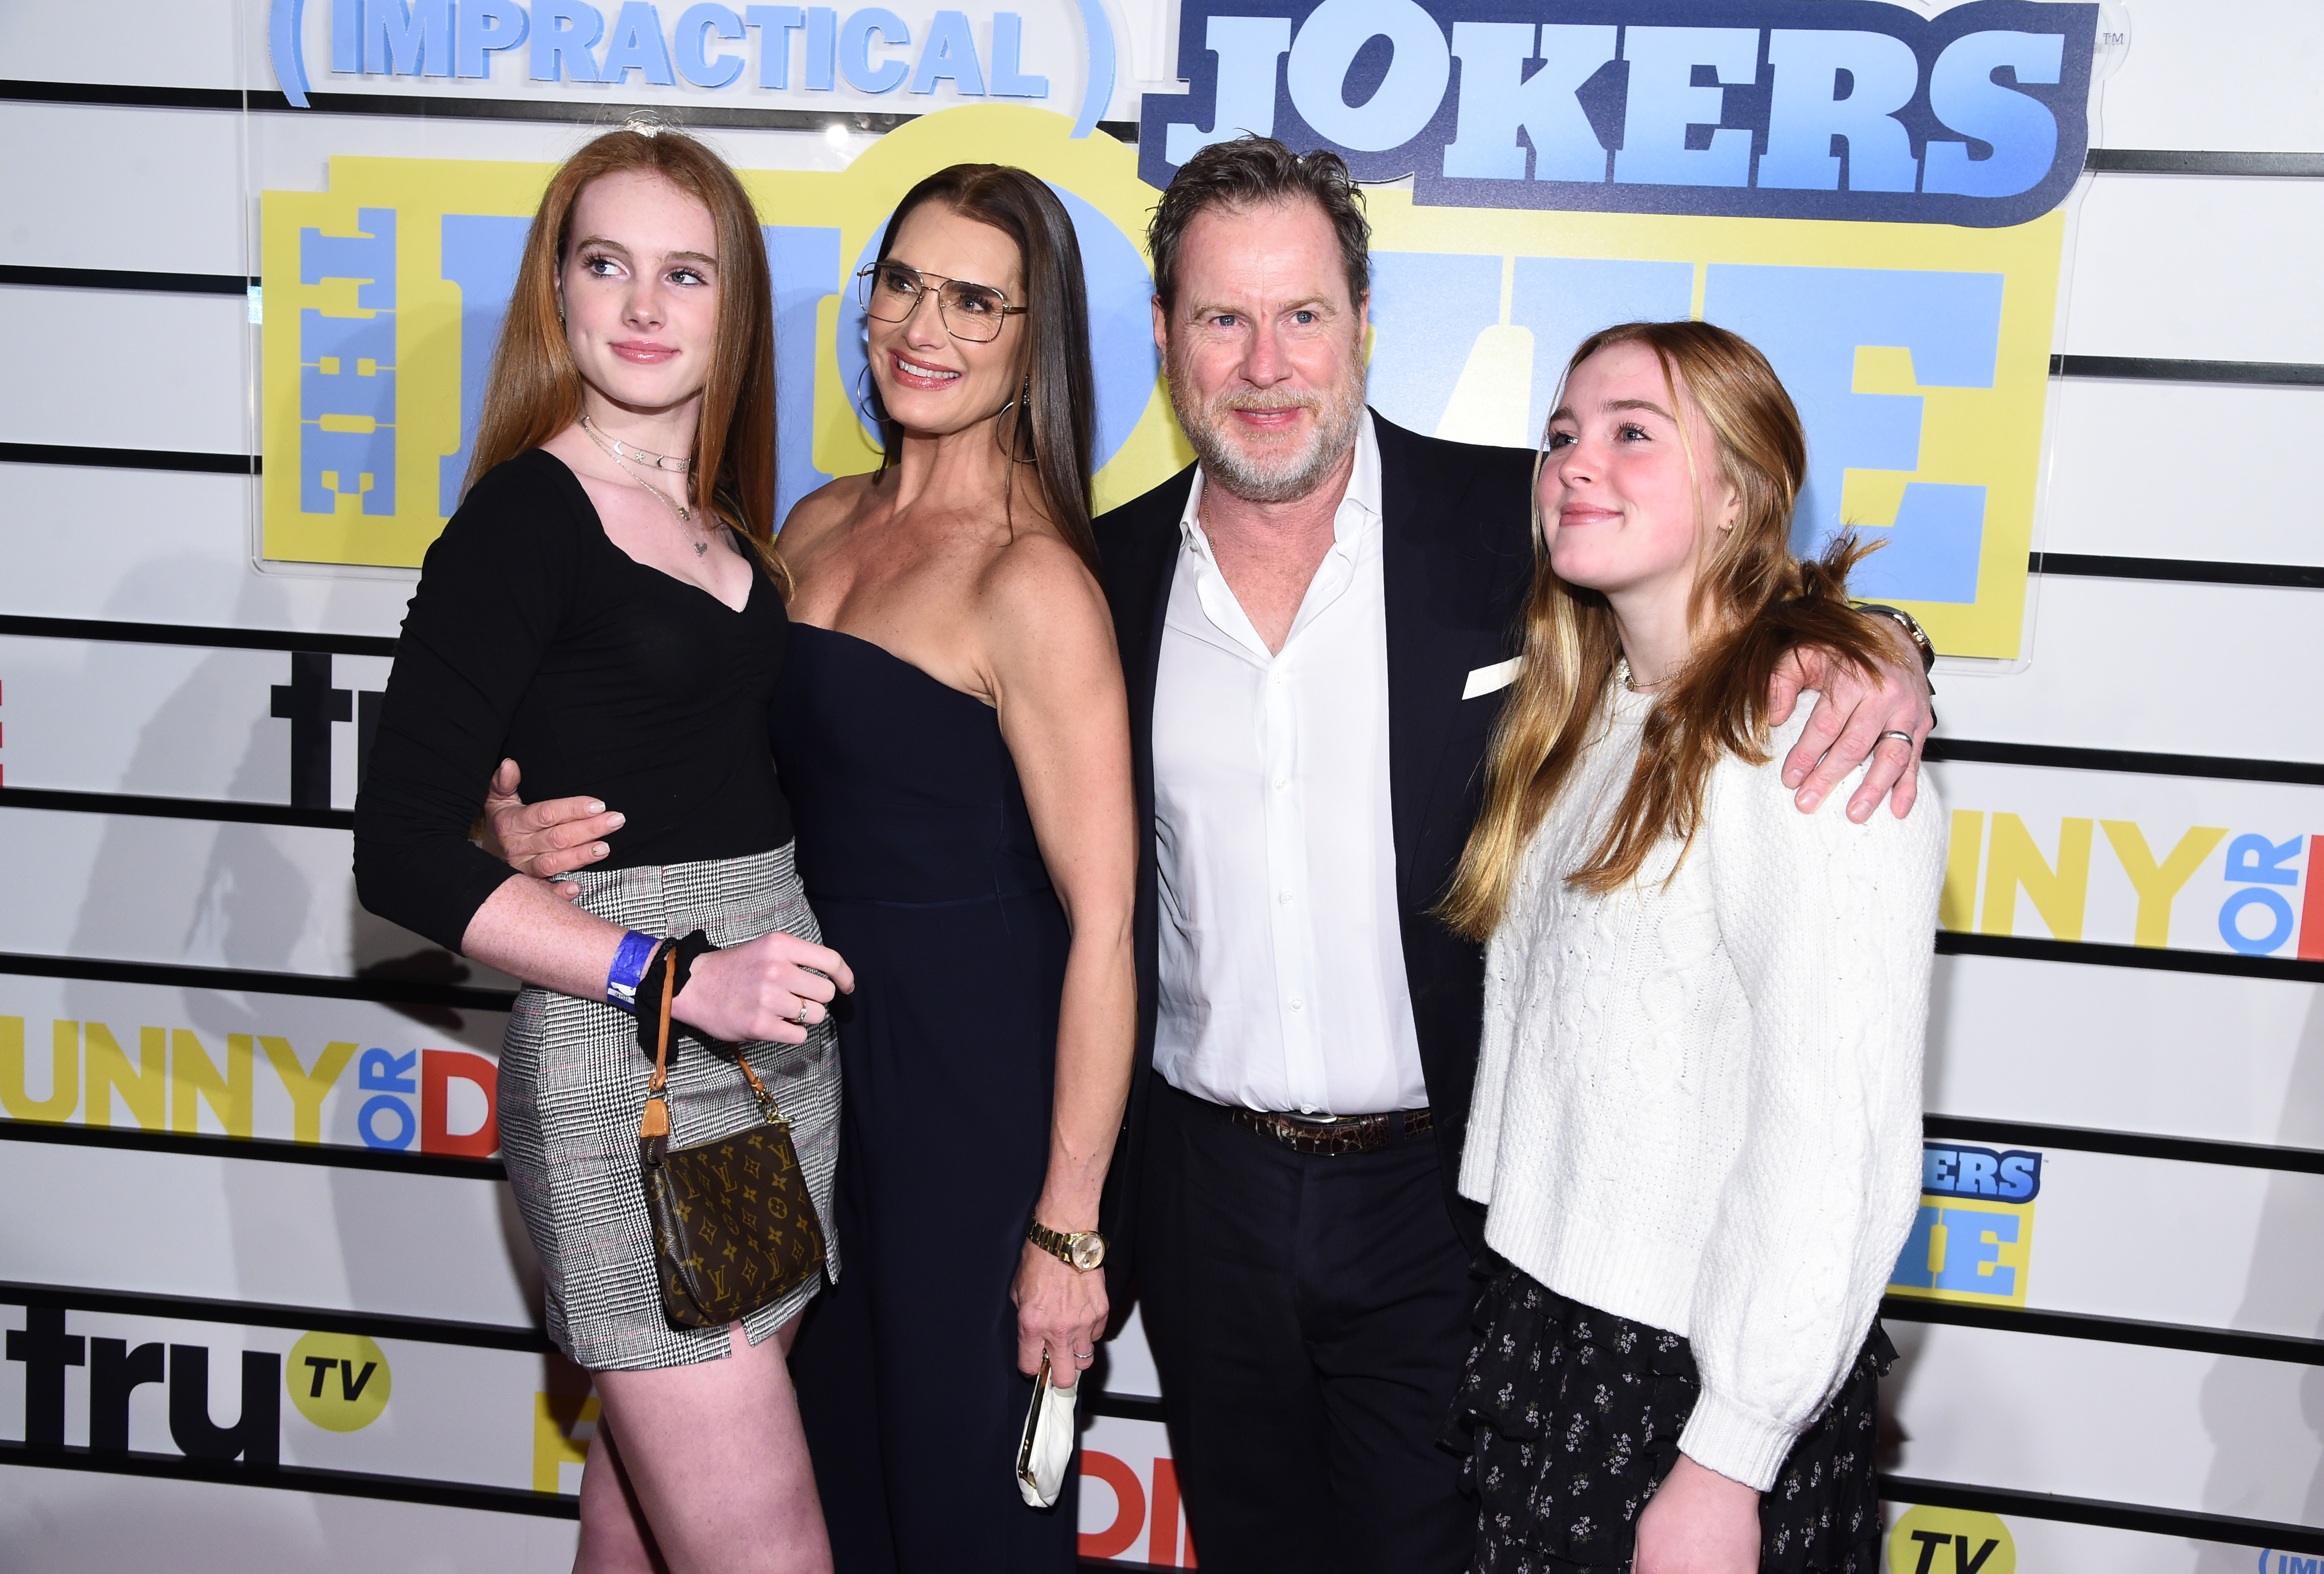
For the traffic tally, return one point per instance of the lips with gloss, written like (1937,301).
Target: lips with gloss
(919,375)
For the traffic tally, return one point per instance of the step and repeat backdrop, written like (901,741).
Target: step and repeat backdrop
(2041,277)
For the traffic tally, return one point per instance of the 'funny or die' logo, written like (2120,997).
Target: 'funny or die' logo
(1769,109)
(426,1100)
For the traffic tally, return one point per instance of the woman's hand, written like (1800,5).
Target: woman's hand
(773,988)
(1061,1309)
(544,840)
(1698,1521)
(1846,725)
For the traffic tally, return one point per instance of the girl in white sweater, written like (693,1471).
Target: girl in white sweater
(1697,1116)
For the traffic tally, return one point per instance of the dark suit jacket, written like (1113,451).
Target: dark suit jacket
(1458,564)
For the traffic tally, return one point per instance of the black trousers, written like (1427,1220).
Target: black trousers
(1309,1317)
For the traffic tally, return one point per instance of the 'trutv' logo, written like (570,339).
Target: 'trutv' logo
(116,1370)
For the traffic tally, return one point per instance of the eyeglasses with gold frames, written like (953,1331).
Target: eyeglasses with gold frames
(890,293)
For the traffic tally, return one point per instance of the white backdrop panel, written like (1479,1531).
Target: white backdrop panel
(2126,1049)
(171,178)
(115,368)
(280,898)
(63,1521)
(2203,76)
(2144,239)
(191,43)
(2210,1244)
(248,1230)
(2170,1427)
(2110,493)
(176,721)
(2156,666)
(157,546)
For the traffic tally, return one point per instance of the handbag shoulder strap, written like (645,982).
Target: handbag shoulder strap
(655,1122)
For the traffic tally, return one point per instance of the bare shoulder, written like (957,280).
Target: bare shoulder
(1038,595)
(828,506)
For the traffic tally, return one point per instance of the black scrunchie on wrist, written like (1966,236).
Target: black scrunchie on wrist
(649,1009)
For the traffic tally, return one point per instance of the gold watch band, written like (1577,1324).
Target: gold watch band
(1083,1250)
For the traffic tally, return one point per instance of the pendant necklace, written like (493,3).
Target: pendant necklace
(621,453)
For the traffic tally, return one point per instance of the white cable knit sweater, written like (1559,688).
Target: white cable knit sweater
(1698,1105)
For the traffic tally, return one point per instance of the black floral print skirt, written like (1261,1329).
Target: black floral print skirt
(1570,1417)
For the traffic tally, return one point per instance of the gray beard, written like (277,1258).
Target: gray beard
(1280,477)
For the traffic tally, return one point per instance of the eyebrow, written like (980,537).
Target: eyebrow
(1321,303)
(1565,412)
(614,245)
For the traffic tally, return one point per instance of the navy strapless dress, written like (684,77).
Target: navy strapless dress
(919,857)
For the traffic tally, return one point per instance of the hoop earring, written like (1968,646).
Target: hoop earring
(867,408)
(1021,437)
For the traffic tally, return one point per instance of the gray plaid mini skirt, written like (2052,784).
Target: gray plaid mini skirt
(572,1086)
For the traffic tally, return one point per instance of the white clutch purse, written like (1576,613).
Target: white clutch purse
(1049,1445)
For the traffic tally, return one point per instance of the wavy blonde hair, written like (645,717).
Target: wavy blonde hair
(535,389)
(1752,602)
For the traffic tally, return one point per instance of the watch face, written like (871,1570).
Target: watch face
(1089,1250)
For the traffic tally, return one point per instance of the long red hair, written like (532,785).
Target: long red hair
(535,390)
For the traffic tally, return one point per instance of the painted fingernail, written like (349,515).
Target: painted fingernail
(601,849)
(617,821)
(595,807)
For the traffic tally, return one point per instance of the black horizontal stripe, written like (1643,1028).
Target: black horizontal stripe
(2169,162)
(2127,761)
(19,453)
(298,1479)
(1124,1406)
(2177,570)
(268,1150)
(211,809)
(2090,953)
(110,631)
(2190,1523)
(2110,1330)
(378,988)
(2157,369)
(426,1330)
(126,279)
(2014,1134)
(121,95)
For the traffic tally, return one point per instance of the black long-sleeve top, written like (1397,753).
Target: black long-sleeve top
(533,637)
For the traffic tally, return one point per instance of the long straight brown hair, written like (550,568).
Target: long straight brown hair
(1051,427)
(1752,602)
(535,390)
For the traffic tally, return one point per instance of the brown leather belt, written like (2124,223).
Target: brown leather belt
(1353,1133)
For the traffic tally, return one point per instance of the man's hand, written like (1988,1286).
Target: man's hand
(544,840)
(1698,1522)
(1844,728)
(1059,1309)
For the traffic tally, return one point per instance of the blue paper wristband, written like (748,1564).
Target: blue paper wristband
(630,961)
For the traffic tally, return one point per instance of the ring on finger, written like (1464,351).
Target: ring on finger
(1084,1355)
(1901,737)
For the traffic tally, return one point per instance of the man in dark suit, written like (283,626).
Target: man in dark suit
(1317,621)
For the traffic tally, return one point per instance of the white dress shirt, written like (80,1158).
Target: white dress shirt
(1282,963)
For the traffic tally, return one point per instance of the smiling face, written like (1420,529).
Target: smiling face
(1265,349)
(640,291)
(1621,509)
(929,381)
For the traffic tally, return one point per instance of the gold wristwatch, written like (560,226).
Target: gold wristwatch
(1083,1249)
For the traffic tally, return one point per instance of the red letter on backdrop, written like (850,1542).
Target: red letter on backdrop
(1128,1505)
(438,1066)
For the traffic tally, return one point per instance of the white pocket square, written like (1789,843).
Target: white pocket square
(1488,680)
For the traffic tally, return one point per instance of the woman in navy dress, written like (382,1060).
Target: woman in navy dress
(951,733)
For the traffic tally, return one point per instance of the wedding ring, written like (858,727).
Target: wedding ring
(1903,737)
(1084,1355)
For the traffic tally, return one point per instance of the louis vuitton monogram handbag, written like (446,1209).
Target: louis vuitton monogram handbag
(733,1226)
